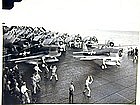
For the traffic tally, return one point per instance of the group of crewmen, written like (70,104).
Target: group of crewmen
(134,53)
(15,85)
(36,78)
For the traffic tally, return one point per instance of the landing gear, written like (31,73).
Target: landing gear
(135,59)
(111,44)
(118,63)
(103,66)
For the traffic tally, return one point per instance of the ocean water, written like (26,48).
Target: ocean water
(119,37)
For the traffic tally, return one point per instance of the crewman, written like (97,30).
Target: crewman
(43,59)
(104,64)
(71,90)
(45,66)
(16,71)
(17,91)
(89,80)
(37,69)
(135,54)
(15,67)
(35,81)
(54,68)
(8,88)
(24,92)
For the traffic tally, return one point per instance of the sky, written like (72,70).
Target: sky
(76,16)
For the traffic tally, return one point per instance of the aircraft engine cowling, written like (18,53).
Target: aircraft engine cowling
(78,40)
(111,44)
(94,39)
(61,42)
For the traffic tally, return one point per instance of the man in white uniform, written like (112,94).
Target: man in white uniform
(24,92)
(37,69)
(35,80)
(54,68)
(89,80)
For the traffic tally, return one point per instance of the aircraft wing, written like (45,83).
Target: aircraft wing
(96,57)
(26,58)
(81,52)
(90,57)
(48,60)
(35,57)
(93,58)
(94,52)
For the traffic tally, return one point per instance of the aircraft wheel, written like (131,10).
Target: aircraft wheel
(103,67)
(111,44)
(134,60)
(118,65)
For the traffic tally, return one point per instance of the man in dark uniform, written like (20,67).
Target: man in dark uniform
(71,90)
(135,55)
(136,51)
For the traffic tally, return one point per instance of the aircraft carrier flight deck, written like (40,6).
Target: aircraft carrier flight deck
(57,68)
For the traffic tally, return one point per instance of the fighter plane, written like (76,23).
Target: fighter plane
(90,41)
(23,50)
(74,41)
(50,52)
(108,55)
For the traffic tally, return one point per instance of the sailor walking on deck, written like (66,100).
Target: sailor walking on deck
(54,68)
(89,80)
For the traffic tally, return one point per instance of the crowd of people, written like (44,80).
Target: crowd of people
(14,85)
(133,52)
